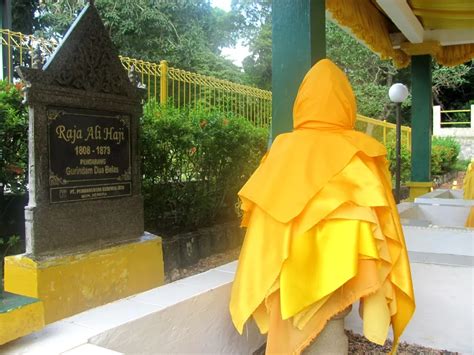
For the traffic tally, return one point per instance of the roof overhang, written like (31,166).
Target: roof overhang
(398,29)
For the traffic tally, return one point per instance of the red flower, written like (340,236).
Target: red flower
(14,169)
(203,123)
(19,86)
(192,151)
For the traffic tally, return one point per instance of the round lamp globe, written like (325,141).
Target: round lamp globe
(398,93)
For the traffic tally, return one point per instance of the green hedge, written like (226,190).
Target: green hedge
(444,157)
(194,163)
(13,139)
(405,162)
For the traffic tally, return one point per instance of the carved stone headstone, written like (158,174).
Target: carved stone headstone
(84,178)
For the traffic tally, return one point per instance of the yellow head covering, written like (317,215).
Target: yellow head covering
(325,99)
(323,229)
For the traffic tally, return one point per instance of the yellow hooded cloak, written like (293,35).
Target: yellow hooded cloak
(322,226)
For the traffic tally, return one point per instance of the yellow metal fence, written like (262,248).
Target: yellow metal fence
(183,88)
(456,123)
(384,132)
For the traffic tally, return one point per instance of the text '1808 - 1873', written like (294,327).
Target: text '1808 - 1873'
(89,155)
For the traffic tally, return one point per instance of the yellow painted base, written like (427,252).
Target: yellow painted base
(418,188)
(74,283)
(21,321)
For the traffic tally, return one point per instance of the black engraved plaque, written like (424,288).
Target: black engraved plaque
(89,155)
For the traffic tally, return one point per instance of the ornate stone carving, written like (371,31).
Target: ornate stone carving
(85,60)
(91,67)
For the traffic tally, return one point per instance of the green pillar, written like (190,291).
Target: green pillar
(421,123)
(299,41)
(422,117)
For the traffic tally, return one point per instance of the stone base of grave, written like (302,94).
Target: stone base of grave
(70,284)
(19,316)
(332,340)
(418,188)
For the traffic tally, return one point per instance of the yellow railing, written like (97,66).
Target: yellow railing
(384,132)
(464,123)
(183,88)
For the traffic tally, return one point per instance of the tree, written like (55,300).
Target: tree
(253,23)
(188,34)
(23,15)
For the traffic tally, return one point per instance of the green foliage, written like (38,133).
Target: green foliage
(188,34)
(253,23)
(444,154)
(13,139)
(7,244)
(23,15)
(194,163)
(257,66)
(461,164)
(405,161)
(451,78)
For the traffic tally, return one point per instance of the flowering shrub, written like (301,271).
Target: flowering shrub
(193,165)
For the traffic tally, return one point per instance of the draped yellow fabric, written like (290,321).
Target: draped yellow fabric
(322,226)
(368,24)
(468,187)
(468,184)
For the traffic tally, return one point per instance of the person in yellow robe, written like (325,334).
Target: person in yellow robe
(323,229)
(468,187)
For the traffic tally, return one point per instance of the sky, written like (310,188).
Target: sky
(239,52)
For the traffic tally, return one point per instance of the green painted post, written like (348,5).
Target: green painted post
(299,41)
(422,118)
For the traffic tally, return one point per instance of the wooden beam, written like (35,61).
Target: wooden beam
(402,16)
(430,47)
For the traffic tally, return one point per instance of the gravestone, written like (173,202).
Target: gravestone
(85,243)
(84,172)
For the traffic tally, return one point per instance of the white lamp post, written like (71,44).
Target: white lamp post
(398,93)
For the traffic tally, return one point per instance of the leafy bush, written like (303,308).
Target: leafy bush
(405,161)
(194,163)
(444,154)
(462,164)
(13,139)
